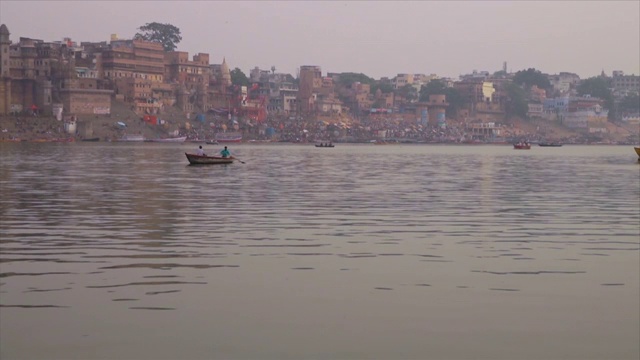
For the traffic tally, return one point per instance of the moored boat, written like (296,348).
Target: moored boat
(91,139)
(228,137)
(170,140)
(327,145)
(129,138)
(549,144)
(208,160)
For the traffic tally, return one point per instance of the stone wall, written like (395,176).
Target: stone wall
(83,101)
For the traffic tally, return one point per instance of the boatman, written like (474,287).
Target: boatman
(225,152)
(200,152)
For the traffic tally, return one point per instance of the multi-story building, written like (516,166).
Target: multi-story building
(475,76)
(192,77)
(133,58)
(310,81)
(564,82)
(402,80)
(537,95)
(35,74)
(625,84)
(5,68)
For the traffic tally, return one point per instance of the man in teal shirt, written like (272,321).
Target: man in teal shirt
(225,153)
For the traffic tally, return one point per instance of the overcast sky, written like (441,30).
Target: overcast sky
(373,37)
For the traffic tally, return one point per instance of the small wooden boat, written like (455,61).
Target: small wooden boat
(208,160)
(170,140)
(91,139)
(131,138)
(522,146)
(549,144)
(637,152)
(325,145)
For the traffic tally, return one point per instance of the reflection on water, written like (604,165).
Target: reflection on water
(357,251)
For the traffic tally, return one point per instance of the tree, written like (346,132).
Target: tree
(630,104)
(291,79)
(408,92)
(531,77)
(165,34)
(598,87)
(436,87)
(385,88)
(516,104)
(349,78)
(239,78)
(433,87)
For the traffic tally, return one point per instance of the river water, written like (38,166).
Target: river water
(124,251)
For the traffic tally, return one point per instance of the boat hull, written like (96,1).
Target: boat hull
(325,146)
(522,147)
(208,160)
(637,149)
(170,140)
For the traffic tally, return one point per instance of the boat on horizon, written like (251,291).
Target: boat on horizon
(549,144)
(233,137)
(131,138)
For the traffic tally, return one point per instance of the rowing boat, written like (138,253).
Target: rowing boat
(208,160)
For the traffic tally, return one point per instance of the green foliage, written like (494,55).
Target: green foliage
(291,79)
(516,104)
(408,92)
(455,99)
(436,87)
(385,88)
(349,78)
(630,104)
(433,87)
(165,34)
(598,87)
(239,78)
(531,77)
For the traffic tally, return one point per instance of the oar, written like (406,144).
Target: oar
(239,160)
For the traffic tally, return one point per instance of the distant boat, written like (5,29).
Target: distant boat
(522,146)
(228,137)
(549,144)
(327,145)
(212,142)
(129,138)
(170,140)
(91,139)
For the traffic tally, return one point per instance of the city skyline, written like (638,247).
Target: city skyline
(379,39)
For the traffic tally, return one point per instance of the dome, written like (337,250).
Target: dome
(4,30)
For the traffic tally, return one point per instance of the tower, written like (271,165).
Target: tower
(225,74)
(5,74)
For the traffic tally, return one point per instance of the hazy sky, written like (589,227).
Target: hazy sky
(374,37)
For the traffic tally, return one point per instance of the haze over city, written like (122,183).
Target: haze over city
(375,38)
